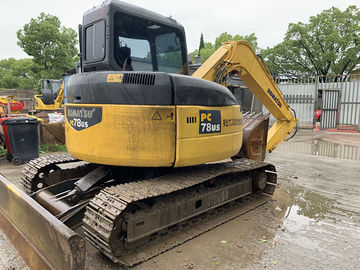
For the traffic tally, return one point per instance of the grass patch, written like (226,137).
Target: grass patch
(47,148)
(44,148)
(3,152)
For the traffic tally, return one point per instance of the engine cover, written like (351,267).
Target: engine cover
(150,119)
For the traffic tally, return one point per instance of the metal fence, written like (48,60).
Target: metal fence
(337,97)
(341,95)
(329,108)
(300,95)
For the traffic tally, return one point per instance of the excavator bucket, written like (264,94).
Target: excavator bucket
(42,240)
(255,128)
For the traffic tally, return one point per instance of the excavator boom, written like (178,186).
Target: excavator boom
(238,58)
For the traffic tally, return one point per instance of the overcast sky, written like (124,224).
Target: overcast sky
(267,19)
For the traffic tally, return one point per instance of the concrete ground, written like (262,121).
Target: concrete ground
(313,221)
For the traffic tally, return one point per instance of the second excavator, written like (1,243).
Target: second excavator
(143,138)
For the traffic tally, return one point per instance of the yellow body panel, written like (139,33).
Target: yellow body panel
(193,148)
(40,106)
(128,135)
(156,136)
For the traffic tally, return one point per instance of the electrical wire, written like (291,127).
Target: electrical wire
(296,127)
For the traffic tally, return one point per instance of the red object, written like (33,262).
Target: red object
(6,134)
(341,130)
(17,106)
(318,114)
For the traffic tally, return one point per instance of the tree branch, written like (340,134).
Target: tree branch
(311,57)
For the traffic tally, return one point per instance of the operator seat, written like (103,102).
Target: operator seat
(123,57)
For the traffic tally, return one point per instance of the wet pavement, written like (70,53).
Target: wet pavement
(325,145)
(316,234)
(312,221)
(321,227)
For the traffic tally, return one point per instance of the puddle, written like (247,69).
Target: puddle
(310,204)
(319,147)
(305,215)
(310,217)
(296,223)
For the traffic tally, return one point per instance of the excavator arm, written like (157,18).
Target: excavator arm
(238,58)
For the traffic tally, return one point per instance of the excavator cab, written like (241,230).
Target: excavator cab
(118,36)
(52,95)
(49,90)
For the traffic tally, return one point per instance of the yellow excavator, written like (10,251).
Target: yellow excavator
(144,139)
(53,94)
(51,97)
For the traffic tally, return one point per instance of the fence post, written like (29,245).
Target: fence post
(316,99)
(8,106)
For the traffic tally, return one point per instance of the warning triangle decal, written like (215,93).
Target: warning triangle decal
(156,116)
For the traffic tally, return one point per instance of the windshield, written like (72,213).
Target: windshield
(143,45)
(56,86)
(52,85)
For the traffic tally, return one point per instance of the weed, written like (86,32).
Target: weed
(46,148)
(3,152)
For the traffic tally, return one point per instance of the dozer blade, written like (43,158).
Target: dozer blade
(255,136)
(42,240)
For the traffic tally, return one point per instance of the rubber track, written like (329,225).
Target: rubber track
(31,171)
(105,208)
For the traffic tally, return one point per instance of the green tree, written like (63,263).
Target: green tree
(226,37)
(52,46)
(210,48)
(328,44)
(18,74)
(202,44)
